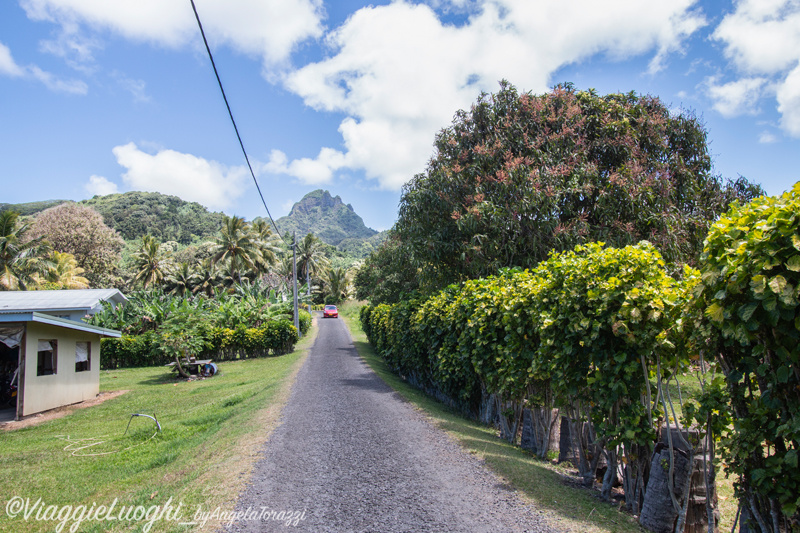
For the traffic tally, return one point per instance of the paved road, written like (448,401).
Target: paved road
(355,457)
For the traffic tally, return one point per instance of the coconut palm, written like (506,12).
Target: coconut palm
(21,260)
(65,271)
(181,279)
(206,278)
(236,246)
(267,243)
(152,264)
(337,281)
(311,259)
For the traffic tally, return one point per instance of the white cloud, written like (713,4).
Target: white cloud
(400,73)
(789,102)
(309,171)
(190,177)
(267,28)
(135,87)
(761,38)
(9,67)
(736,97)
(7,64)
(766,137)
(56,84)
(100,186)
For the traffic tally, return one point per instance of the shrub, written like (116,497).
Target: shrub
(749,297)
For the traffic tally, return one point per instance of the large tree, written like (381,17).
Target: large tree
(237,247)
(311,260)
(22,258)
(387,275)
(519,175)
(79,230)
(151,262)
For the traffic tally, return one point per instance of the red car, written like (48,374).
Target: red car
(330,311)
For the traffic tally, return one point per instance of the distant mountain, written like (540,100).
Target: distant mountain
(168,218)
(327,217)
(134,214)
(30,208)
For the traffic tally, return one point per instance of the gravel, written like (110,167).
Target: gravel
(351,455)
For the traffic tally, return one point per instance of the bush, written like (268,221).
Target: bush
(749,298)
(223,344)
(304,319)
(585,330)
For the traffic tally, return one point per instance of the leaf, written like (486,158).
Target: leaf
(758,284)
(783,374)
(715,312)
(793,263)
(746,311)
(796,242)
(777,284)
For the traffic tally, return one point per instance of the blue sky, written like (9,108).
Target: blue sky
(99,96)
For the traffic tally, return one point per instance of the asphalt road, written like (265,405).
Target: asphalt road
(350,455)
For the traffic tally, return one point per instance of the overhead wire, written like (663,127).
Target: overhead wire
(236,129)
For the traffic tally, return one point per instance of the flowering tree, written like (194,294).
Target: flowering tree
(79,230)
(519,175)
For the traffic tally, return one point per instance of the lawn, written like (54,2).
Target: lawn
(212,430)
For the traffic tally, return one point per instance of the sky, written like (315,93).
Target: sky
(101,96)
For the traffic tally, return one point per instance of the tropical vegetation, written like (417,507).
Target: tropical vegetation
(547,258)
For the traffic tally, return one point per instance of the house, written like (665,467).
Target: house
(47,350)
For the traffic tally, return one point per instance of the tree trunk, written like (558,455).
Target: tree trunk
(178,365)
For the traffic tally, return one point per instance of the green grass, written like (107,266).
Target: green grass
(565,506)
(212,431)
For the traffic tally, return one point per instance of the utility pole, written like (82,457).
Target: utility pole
(294,281)
(308,287)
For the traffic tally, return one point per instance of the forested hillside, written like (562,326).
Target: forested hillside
(167,218)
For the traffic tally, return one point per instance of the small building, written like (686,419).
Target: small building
(51,355)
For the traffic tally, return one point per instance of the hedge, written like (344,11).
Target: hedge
(584,331)
(275,337)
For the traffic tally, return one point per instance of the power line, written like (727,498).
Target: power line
(230,114)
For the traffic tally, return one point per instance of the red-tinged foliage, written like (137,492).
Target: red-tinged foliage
(519,175)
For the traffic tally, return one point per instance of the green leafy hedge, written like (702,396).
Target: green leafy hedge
(749,299)
(275,337)
(585,331)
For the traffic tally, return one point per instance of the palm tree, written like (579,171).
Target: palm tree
(267,243)
(151,263)
(235,245)
(206,278)
(181,279)
(20,259)
(65,271)
(311,259)
(338,283)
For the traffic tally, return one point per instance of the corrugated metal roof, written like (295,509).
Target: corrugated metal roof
(66,300)
(14,317)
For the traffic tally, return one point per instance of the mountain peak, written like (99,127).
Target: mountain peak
(325,216)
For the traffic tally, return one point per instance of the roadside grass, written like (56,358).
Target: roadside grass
(564,506)
(212,431)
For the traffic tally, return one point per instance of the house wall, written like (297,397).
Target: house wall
(66,386)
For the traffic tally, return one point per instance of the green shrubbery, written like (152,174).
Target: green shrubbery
(583,331)
(221,344)
(156,326)
(599,332)
(749,299)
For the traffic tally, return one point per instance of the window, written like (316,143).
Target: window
(83,355)
(48,355)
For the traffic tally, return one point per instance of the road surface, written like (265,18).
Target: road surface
(350,455)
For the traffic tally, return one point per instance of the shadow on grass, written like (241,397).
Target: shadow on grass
(565,507)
